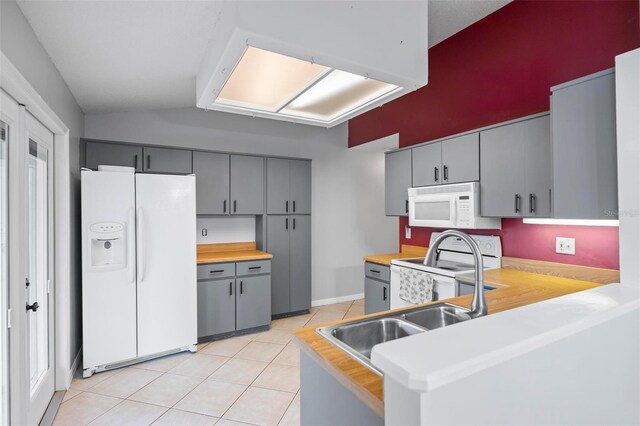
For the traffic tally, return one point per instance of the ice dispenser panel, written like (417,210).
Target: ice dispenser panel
(108,245)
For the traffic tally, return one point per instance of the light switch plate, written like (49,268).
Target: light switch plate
(407,232)
(565,245)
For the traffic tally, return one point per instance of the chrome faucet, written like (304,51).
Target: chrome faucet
(479,303)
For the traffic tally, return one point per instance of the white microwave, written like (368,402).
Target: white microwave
(449,206)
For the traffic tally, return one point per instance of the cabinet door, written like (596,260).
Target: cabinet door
(376,296)
(167,160)
(461,159)
(300,187)
(216,307)
(212,182)
(537,167)
(247,184)
(253,301)
(501,171)
(427,165)
(397,180)
(110,154)
(300,285)
(585,184)
(278,186)
(278,246)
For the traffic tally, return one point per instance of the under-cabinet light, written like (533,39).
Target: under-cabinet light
(575,222)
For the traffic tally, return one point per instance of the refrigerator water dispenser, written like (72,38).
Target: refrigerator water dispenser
(108,245)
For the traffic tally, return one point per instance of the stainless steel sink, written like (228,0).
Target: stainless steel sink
(437,316)
(357,338)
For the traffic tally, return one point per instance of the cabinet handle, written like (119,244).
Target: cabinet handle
(255,267)
(286,223)
(446,173)
(406,206)
(224,206)
(294,206)
(532,203)
(436,174)
(286,207)
(241,288)
(517,203)
(34,307)
(294,223)
(135,161)
(230,288)
(148,162)
(216,271)
(374,271)
(235,202)
(384,293)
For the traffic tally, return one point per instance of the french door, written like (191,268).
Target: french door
(29,191)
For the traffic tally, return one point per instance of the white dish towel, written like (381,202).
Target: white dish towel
(416,286)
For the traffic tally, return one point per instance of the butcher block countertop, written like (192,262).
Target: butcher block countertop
(515,288)
(230,252)
(406,251)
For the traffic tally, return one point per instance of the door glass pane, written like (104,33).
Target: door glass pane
(433,210)
(4,260)
(38,208)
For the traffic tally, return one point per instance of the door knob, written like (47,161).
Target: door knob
(33,307)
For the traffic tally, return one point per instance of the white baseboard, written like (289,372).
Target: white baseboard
(340,299)
(74,367)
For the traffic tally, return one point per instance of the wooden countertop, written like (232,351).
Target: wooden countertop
(515,288)
(229,252)
(406,251)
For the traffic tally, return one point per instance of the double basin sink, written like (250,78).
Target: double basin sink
(358,337)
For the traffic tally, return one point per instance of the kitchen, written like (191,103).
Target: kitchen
(495,69)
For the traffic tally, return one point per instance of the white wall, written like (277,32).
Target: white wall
(19,43)
(213,230)
(348,184)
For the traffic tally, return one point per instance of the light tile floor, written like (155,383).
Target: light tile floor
(253,379)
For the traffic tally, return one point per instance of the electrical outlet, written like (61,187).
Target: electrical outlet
(565,245)
(407,232)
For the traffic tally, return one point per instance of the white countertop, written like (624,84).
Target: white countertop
(429,360)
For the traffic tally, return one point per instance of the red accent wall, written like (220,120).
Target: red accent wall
(501,68)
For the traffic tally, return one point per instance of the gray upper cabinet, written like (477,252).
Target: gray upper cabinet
(397,180)
(300,280)
(584,148)
(288,186)
(515,163)
(461,159)
(278,245)
(247,185)
(300,186)
(427,164)
(251,308)
(278,185)
(212,182)
(216,307)
(167,160)
(110,154)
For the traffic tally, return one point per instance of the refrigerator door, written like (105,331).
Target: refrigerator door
(108,268)
(167,290)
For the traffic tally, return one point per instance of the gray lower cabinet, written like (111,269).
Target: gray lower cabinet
(253,299)
(288,186)
(111,154)
(397,180)
(376,296)
(427,165)
(216,307)
(289,241)
(238,302)
(247,185)
(167,160)
(212,182)
(583,132)
(515,163)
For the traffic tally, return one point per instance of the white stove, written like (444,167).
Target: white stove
(454,257)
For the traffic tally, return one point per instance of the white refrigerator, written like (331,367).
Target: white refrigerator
(139,294)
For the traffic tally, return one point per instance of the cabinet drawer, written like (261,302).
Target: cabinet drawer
(379,272)
(253,267)
(216,270)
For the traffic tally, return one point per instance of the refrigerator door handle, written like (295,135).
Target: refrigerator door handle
(132,247)
(141,252)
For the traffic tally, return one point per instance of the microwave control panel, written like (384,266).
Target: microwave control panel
(464,210)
